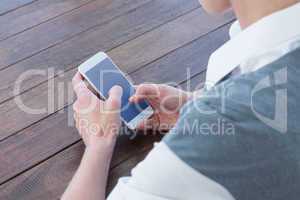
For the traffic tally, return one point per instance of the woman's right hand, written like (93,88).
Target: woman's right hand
(166,102)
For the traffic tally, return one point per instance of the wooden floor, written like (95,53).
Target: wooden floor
(152,40)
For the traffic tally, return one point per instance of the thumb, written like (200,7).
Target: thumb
(114,100)
(145,91)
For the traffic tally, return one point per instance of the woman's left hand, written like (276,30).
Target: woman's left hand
(98,122)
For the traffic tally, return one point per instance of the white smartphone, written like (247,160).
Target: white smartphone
(102,74)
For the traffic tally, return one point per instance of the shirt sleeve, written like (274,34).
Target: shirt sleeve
(163,176)
(220,135)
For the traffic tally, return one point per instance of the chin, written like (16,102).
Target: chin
(215,6)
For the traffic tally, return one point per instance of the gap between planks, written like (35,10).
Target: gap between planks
(195,49)
(116,171)
(19,21)
(128,63)
(15,5)
(74,56)
(25,51)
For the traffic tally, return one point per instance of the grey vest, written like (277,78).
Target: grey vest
(245,132)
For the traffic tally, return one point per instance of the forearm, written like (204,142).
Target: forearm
(90,180)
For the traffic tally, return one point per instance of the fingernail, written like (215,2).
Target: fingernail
(131,99)
(117,89)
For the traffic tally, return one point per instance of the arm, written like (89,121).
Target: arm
(166,102)
(98,124)
(89,182)
(162,175)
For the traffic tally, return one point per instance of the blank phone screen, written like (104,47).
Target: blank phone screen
(104,76)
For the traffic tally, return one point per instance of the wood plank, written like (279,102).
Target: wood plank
(69,54)
(185,62)
(41,182)
(34,14)
(49,179)
(124,169)
(195,83)
(38,39)
(21,151)
(7,6)
(48,137)
(169,37)
(16,118)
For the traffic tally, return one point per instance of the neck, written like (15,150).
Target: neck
(251,11)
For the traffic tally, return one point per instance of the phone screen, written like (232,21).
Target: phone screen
(104,76)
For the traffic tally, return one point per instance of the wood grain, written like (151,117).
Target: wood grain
(16,118)
(34,14)
(30,146)
(49,179)
(169,37)
(94,14)
(153,40)
(70,53)
(185,62)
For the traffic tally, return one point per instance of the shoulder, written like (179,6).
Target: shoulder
(231,133)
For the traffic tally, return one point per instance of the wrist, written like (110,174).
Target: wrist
(99,158)
(101,145)
(98,155)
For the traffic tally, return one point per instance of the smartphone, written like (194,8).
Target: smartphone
(102,74)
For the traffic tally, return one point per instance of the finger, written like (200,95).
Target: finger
(84,95)
(76,79)
(86,103)
(80,87)
(75,107)
(149,124)
(113,103)
(145,91)
(145,125)
(75,116)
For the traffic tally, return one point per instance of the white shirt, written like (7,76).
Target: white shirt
(162,175)
(263,42)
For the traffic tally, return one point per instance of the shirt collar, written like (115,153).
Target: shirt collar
(265,34)
(235,29)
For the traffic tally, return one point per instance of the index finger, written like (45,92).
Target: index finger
(77,79)
(145,91)
(79,85)
(115,98)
